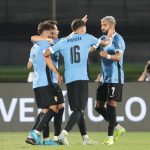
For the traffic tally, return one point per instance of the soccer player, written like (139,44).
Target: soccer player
(57,125)
(75,49)
(110,92)
(53,81)
(44,92)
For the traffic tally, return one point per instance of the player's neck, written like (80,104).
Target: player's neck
(78,32)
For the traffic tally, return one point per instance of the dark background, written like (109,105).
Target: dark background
(19,19)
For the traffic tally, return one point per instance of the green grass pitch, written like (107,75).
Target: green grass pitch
(128,141)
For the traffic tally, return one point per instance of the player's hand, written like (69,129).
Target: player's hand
(103,54)
(50,40)
(92,49)
(110,33)
(85,18)
(105,42)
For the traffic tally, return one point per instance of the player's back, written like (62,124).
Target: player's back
(75,50)
(39,65)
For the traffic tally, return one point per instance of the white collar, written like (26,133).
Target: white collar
(114,34)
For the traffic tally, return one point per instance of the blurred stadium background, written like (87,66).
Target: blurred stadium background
(19,19)
(18,22)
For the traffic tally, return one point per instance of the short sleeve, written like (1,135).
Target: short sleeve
(94,41)
(57,47)
(119,44)
(43,43)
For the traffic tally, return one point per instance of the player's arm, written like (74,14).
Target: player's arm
(102,43)
(85,18)
(50,64)
(47,52)
(142,77)
(116,57)
(36,38)
(53,49)
(105,42)
(108,40)
(29,64)
(119,50)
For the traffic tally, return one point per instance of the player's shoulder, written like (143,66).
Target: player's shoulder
(118,37)
(61,40)
(119,41)
(43,42)
(57,40)
(34,47)
(88,35)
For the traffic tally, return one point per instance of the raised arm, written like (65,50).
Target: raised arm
(102,43)
(36,38)
(85,18)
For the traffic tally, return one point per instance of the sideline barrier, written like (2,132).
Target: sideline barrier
(18,109)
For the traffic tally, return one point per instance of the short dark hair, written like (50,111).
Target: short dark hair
(52,22)
(43,26)
(77,23)
(148,69)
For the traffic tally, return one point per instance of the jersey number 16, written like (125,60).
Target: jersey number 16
(75,54)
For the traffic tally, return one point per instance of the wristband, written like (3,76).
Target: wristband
(108,56)
(30,59)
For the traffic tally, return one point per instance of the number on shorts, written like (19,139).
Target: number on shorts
(112,91)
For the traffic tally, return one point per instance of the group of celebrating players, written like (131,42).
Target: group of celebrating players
(75,48)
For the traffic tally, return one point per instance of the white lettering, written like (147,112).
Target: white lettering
(7,117)
(128,109)
(24,109)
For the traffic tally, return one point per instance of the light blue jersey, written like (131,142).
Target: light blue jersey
(112,71)
(75,50)
(55,59)
(39,64)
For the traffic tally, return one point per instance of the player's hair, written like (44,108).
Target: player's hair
(148,69)
(52,22)
(44,26)
(77,23)
(110,19)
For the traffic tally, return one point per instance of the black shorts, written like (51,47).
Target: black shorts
(44,96)
(77,94)
(58,93)
(109,91)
